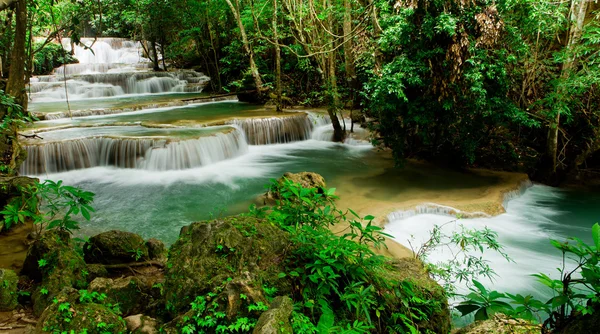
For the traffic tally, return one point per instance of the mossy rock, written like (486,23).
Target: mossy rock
(8,290)
(69,314)
(156,250)
(502,324)
(237,253)
(277,319)
(305,179)
(114,247)
(412,271)
(131,293)
(53,263)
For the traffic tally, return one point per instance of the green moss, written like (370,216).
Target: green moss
(67,313)
(8,290)
(210,253)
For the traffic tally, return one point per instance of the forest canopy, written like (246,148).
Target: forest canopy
(508,84)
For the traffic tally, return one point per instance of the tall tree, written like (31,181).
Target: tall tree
(235,10)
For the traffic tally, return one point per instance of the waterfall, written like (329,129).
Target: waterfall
(274,130)
(157,154)
(111,67)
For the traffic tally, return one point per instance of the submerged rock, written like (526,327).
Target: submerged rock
(68,314)
(8,290)
(238,254)
(277,319)
(114,247)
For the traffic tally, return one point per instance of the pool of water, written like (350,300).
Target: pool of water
(190,115)
(531,220)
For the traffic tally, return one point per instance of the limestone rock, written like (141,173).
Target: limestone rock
(131,293)
(500,324)
(8,290)
(277,319)
(53,263)
(91,317)
(141,324)
(115,247)
(243,252)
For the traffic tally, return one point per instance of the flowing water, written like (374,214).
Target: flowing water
(161,168)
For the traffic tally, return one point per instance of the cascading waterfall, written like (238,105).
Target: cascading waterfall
(275,130)
(115,67)
(157,154)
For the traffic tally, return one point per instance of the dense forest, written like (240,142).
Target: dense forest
(509,84)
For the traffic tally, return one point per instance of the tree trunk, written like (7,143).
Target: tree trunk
(253,68)
(16,75)
(277,59)
(155,56)
(162,51)
(349,59)
(11,154)
(577,17)
(334,102)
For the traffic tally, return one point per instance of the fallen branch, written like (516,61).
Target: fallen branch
(134,264)
(217,96)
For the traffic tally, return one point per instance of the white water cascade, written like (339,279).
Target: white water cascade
(275,130)
(148,153)
(111,67)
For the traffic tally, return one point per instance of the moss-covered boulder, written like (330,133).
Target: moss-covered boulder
(133,294)
(277,319)
(114,247)
(156,250)
(415,281)
(8,290)
(305,179)
(69,313)
(235,254)
(53,263)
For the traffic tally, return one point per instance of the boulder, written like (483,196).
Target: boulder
(233,255)
(114,247)
(305,179)
(95,271)
(8,290)
(69,314)
(141,324)
(412,271)
(131,293)
(53,263)
(156,250)
(277,319)
(501,324)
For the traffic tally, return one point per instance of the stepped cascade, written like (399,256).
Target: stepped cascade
(149,153)
(110,67)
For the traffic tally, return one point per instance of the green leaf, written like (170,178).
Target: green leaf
(596,235)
